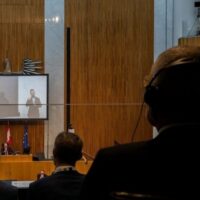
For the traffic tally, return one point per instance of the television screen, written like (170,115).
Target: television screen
(23,97)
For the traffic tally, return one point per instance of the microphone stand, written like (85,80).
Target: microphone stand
(86,156)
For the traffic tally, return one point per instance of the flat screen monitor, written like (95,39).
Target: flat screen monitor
(23,97)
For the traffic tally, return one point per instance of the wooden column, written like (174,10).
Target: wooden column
(111,52)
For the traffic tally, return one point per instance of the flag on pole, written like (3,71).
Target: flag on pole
(25,138)
(9,137)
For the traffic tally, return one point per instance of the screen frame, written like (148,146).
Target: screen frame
(47,97)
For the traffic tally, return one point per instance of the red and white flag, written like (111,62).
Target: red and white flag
(9,137)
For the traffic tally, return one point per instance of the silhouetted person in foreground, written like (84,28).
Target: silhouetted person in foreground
(65,182)
(33,102)
(8,192)
(169,164)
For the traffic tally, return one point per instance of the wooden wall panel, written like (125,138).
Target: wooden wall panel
(111,52)
(28,170)
(22,36)
(194,41)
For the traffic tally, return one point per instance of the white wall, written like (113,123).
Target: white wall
(54,66)
(184,17)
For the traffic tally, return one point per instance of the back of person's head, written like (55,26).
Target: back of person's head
(172,91)
(67,148)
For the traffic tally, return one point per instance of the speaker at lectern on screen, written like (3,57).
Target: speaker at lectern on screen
(23,97)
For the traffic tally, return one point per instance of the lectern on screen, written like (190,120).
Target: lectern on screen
(23,97)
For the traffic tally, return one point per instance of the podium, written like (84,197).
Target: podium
(21,167)
(15,158)
(191,41)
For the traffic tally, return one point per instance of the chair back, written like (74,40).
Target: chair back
(136,196)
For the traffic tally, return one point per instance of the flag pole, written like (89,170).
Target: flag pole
(8,135)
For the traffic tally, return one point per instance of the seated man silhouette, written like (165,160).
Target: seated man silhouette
(167,165)
(6,149)
(65,182)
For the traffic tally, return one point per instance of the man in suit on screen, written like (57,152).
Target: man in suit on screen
(33,102)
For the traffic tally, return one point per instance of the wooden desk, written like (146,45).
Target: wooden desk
(28,170)
(15,158)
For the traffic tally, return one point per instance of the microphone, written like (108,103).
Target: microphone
(84,159)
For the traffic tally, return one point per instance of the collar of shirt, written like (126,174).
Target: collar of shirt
(64,168)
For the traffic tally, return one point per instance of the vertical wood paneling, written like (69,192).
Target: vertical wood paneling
(22,36)
(111,52)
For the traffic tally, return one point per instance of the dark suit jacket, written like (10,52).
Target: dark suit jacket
(167,165)
(33,111)
(8,192)
(63,185)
